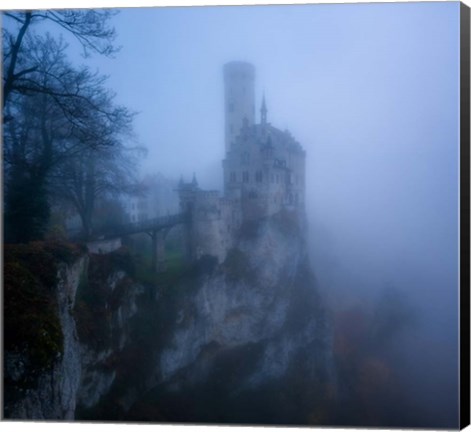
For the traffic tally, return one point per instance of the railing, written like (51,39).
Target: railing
(148,225)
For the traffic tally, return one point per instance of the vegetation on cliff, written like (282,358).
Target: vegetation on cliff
(31,321)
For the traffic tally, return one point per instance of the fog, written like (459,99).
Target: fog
(371,91)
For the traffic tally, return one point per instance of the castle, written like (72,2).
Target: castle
(264,172)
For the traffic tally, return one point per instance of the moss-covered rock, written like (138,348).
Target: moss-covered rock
(31,323)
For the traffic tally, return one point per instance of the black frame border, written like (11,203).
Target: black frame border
(464,226)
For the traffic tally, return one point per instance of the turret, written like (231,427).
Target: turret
(239,82)
(263,112)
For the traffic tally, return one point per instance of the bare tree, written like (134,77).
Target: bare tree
(97,172)
(58,114)
(90,27)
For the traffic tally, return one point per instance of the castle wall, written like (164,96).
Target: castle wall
(265,171)
(210,230)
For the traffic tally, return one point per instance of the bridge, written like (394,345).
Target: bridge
(145,226)
(157,228)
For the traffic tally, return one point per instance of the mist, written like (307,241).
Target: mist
(371,92)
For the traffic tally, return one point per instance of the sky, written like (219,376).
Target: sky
(371,91)
(372,94)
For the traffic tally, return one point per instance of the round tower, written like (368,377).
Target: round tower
(239,101)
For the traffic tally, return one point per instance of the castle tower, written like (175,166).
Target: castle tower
(239,100)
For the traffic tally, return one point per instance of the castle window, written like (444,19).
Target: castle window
(245,176)
(258,177)
(233,177)
(245,158)
(252,194)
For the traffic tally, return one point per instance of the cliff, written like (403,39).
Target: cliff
(42,353)
(245,341)
(248,340)
(65,320)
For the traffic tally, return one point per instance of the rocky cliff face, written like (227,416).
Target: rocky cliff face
(53,393)
(245,341)
(250,299)
(77,370)
(111,297)
(245,331)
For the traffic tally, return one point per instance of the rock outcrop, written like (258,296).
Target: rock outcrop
(77,365)
(251,326)
(247,340)
(53,395)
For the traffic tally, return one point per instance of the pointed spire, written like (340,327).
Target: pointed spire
(263,111)
(194,182)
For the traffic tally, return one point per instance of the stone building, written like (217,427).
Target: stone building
(264,172)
